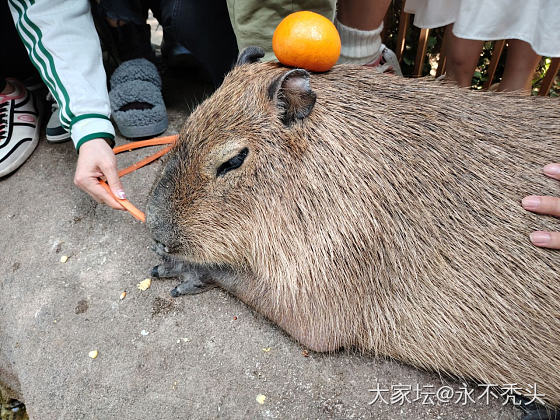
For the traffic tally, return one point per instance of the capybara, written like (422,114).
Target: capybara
(369,211)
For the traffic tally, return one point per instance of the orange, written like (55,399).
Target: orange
(307,40)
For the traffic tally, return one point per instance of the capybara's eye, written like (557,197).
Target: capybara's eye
(234,163)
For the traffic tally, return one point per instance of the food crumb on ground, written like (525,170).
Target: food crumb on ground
(145,284)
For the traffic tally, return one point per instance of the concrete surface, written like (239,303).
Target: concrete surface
(205,356)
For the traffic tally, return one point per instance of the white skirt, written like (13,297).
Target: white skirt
(534,21)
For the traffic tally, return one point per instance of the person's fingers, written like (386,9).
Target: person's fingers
(546,239)
(110,171)
(542,204)
(91,186)
(97,160)
(545,205)
(552,170)
(97,190)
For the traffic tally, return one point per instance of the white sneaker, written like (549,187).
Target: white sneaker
(19,127)
(386,63)
(390,58)
(55,133)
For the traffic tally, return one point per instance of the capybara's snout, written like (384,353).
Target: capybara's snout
(159,218)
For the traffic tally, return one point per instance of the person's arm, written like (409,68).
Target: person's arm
(62,42)
(545,205)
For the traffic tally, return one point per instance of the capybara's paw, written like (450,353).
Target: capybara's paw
(542,413)
(189,288)
(535,411)
(160,249)
(169,269)
(194,282)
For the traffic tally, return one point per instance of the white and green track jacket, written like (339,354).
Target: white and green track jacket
(62,42)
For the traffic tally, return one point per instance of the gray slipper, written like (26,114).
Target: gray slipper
(138,109)
(136,102)
(137,69)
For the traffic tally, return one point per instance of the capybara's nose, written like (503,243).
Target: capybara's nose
(158,209)
(159,218)
(160,221)
(150,214)
(155,216)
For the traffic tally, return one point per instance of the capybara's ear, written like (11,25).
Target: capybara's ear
(293,95)
(250,55)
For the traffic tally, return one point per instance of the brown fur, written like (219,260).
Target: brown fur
(388,220)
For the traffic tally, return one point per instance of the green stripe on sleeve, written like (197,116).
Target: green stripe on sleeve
(37,60)
(92,136)
(52,66)
(85,116)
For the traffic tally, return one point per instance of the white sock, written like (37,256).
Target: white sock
(359,47)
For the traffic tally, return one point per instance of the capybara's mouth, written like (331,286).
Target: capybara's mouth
(162,250)
(170,253)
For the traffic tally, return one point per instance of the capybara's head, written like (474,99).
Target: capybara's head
(232,162)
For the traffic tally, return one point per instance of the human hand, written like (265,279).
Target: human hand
(96,159)
(545,205)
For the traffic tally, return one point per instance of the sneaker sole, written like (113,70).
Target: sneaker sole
(132,132)
(61,138)
(54,131)
(21,160)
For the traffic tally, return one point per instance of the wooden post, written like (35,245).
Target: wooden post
(421,52)
(496,54)
(549,77)
(401,36)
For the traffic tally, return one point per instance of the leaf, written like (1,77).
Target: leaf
(431,41)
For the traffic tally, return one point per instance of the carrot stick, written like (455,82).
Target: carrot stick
(145,143)
(144,161)
(138,214)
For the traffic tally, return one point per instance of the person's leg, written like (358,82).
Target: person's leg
(364,15)
(121,12)
(129,31)
(462,57)
(205,29)
(521,62)
(14,61)
(360,23)
(19,113)
(254,21)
